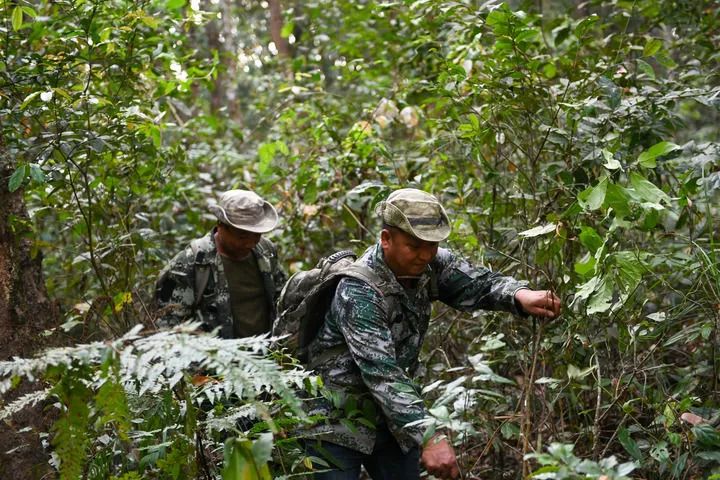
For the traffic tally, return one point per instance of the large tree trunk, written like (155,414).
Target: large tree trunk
(276,25)
(25,312)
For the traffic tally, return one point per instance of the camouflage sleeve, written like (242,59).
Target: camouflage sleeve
(278,274)
(469,288)
(361,317)
(175,290)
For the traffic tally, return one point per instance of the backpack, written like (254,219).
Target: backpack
(202,272)
(307,295)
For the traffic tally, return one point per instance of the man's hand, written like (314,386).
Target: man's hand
(439,459)
(539,303)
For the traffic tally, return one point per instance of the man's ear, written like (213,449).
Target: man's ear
(385,238)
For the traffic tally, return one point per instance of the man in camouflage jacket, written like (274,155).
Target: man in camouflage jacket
(368,347)
(232,270)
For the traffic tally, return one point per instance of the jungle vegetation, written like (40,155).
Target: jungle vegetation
(575,145)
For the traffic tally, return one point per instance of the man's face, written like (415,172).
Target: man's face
(406,255)
(235,243)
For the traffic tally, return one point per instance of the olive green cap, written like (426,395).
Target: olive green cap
(415,212)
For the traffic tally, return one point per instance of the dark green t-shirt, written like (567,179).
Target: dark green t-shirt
(248,301)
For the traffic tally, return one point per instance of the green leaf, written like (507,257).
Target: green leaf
(29,11)
(610,162)
(585,24)
(17,178)
(36,173)
(287,29)
(590,239)
(646,190)
(629,444)
(707,436)
(618,198)
(585,266)
(601,299)
(550,70)
(28,99)
(652,47)
(647,158)
(646,68)
(349,425)
(586,289)
(175,4)
(17,18)
(593,198)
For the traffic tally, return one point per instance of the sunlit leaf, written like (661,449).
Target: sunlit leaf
(175,4)
(537,231)
(647,190)
(647,158)
(593,197)
(652,47)
(17,18)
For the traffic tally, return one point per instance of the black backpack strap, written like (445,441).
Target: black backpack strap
(202,272)
(433,287)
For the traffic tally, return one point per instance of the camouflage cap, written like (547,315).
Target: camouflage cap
(417,213)
(245,210)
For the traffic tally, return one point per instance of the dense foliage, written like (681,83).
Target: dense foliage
(574,148)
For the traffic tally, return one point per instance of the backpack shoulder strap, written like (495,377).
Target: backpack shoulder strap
(433,286)
(202,271)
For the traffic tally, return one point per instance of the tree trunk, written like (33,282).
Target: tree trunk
(276,25)
(25,312)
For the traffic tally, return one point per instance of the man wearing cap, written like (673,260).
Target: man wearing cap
(376,333)
(230,278)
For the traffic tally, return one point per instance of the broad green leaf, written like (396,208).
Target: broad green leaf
(629,444)
(618,198)
(36,173)
(630,268)
(652,47)
(593,198)
(28,99)
(175,4)
(646,68)
(585,266)
(282,147)
(550,70)
(17,18)
(17,178)
(666,60)
(537,231)
(151,22)
(29,11)
(585,24)
(601,299)
(647,158)
(590,239)
(586,289)
(707,436)
(646,190)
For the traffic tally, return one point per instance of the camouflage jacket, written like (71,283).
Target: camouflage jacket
(382,338)
(175,287)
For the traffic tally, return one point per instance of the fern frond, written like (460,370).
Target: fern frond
(26,400)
